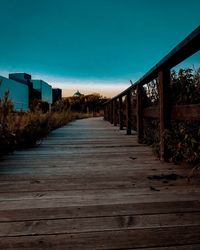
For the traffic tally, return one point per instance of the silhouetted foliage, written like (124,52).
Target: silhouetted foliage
(39,106)
(182,140)
(92,103)
(185,87)
(24,129)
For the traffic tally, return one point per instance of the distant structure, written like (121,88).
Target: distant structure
(21,77)
(18,93)
(26,79)
(57,94)
(44,89)
(23,90)
(77,93)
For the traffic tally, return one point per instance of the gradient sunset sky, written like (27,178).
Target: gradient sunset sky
(92,45)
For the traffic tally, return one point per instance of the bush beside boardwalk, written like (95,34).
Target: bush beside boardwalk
(21,130)
(182,139)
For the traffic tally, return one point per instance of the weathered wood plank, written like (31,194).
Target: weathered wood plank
(186,112)
(89,184)
(185,247)
(96,224)
(68,212)
(116,194)
(96,198)
(148,237)
(179,112)
(139,186)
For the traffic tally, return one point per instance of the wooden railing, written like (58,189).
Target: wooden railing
(164,111)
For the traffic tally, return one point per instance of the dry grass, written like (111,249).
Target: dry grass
(21,130)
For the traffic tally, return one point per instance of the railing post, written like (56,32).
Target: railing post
(128,113)
(164,83)
(120,113)
(108,107)
(111,112)
(140,132)
(108,110)
(105,112)
(115,112)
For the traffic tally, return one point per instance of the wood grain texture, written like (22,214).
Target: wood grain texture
(91,186)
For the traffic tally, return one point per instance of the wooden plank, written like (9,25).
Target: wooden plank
(186,112)
(180,112)
(89,184)
(185,247)
(140,185)
(100,210)
(115,192)
(93,199)
(151,112)
(96,224)
(148,237)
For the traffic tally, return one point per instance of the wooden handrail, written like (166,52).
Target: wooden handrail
(164,112)
(189,46)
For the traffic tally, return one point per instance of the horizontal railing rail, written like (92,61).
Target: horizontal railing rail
(164,110)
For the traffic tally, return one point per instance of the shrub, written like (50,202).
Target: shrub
(182,139)
(24,129)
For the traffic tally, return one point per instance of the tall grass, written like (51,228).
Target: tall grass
(25,129)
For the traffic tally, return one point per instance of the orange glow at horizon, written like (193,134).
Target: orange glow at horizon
(107,93)
(103,91)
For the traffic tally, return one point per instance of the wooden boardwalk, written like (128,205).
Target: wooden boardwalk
(90,186)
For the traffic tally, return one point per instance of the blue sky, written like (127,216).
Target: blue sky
(92,44)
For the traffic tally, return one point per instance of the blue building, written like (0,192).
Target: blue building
(23,90)
(45,89)
(57,94)
(21,77)
(18,93)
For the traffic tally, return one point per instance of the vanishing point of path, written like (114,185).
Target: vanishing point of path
(90,186)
